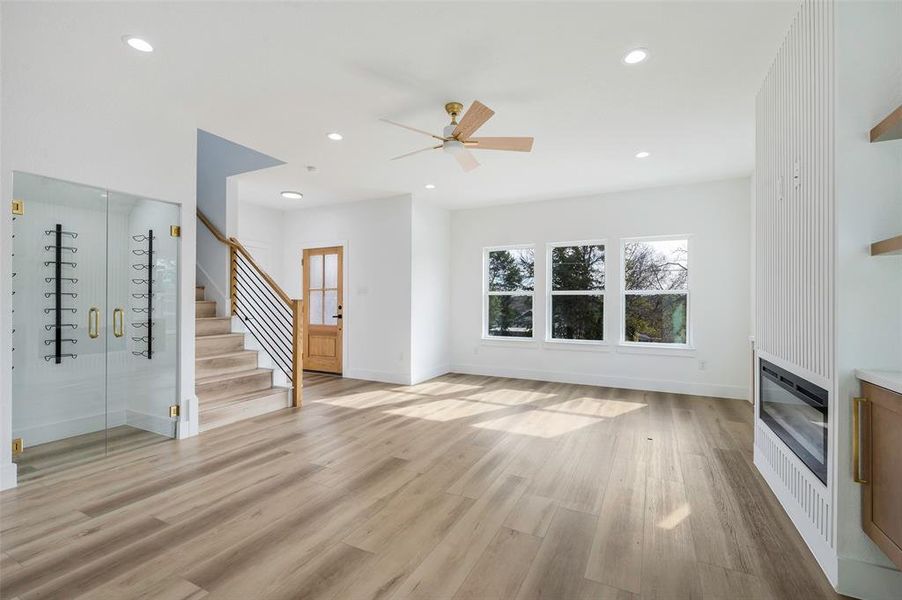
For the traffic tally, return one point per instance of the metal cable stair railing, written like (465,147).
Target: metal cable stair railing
(267,312)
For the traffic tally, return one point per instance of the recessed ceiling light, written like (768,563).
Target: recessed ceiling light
(635,56)
(335,136)
(643,154)
(292,195)
(137,43)
(430,186)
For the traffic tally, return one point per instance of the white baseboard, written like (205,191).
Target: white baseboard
(630,383)
(380,376)
(222,299)
(432,373)
(8,476)
(869,581)
(189,421)
(153,423)
(49,432)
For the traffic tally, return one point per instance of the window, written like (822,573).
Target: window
(510,274)
(576,290)
(656,291)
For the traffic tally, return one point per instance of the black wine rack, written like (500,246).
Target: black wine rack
(143,314)
(58,280)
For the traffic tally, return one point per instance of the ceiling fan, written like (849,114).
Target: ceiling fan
(457,141)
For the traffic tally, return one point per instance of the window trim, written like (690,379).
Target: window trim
(549,247)
(486,294)
(656,346)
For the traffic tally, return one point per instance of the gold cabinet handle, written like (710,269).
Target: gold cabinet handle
(93,322)
(118,323)
(857,403)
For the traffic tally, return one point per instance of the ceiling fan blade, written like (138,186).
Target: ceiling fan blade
(473,119)
(413,129)
(417,151)
(515,144)
(465,159)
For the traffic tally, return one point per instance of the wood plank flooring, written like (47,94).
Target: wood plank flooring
(460,487)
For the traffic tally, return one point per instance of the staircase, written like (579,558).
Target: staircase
(229,384)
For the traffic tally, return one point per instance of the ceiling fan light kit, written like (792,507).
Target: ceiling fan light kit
(457,140)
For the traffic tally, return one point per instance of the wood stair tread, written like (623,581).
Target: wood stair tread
(225,354)
(223,335)
(245,397)
(226,376)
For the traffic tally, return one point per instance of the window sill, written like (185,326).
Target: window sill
(657,349)
(517,342)
(576,345)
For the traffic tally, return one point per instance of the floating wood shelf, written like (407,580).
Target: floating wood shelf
(889,128)
(891,246)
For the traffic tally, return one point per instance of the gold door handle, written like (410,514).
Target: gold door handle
(857,403)
(118,324)
(93,322)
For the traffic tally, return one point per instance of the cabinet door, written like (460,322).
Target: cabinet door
(882,495)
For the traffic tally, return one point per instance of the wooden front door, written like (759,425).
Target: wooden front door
(323,309)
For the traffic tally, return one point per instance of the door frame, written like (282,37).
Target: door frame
(345,278)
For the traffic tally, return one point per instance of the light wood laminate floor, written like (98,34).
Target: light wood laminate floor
(461,487)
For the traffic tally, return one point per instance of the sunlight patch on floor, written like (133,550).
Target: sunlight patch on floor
(595,407)
(539,423)
(366,399)
(444,410)
(676,516)
(510,397)
(438,388)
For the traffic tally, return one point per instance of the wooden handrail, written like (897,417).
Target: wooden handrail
(233,243)
(294,305)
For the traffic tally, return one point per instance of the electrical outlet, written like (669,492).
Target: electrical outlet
(702,365)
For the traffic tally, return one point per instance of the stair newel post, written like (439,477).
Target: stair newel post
(297,350)
(233,279)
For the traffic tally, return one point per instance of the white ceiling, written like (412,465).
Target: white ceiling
(278,77)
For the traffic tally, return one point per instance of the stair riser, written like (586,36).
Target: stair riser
(233,386)
(217,327)
(210,346)
(219,416)
(198,293)
(225,364)
(205,309)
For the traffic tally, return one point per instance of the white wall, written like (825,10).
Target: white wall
(107,126)
(716,216)
(260,229)
(430,313)
(868,290)
(377,259)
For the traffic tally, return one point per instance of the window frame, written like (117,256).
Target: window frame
(486,294)
(549,292)
(688,344)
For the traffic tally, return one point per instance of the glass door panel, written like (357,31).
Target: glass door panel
(142,280)
(59,300)
(95,322)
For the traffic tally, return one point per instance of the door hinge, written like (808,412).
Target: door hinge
(174,410)
(175,231)
(18,207)
(18,446)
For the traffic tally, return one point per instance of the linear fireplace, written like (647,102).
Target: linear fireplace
(797,411)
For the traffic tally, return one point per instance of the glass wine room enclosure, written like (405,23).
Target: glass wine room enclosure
(95,323)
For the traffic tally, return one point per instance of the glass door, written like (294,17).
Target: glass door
(142,340)
(94,322)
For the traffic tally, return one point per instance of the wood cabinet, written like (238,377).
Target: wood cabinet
(879,467)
